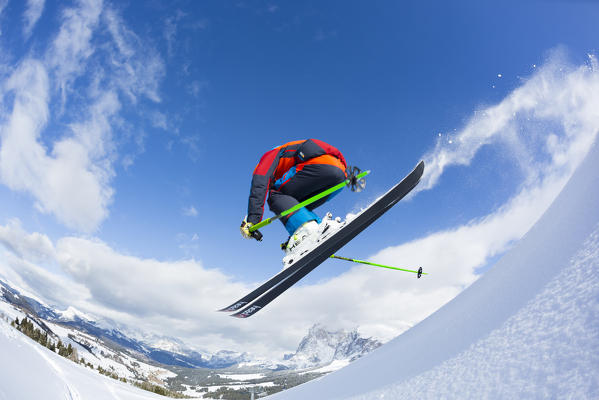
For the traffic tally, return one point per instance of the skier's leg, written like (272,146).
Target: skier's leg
(279,202)
(297,186)
(311,180)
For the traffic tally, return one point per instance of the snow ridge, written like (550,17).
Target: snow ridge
(569,300)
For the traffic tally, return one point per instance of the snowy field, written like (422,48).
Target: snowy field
(528,328)
(241,377)
(30,371)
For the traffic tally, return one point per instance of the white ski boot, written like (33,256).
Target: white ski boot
(309,236)
(329,226)
(300,243)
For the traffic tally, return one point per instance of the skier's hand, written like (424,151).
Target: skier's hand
(245,228)
(246,233)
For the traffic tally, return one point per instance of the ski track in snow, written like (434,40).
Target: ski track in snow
(70,393)
(561,323)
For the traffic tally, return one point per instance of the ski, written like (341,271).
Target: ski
(288,277)
(356,181)
(262,288)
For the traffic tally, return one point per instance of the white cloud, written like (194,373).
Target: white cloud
(158,120)
(193,144)
(67,182)
(167,297)
(137,68)
(33,247)
(190,211)
(3,4)
(72,46)
(196,87)
(32,14)
(91,68)
(170,30)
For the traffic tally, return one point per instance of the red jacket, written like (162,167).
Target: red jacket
(276,162)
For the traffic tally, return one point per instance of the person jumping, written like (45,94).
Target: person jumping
(288,175)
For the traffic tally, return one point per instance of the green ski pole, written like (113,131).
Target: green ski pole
(304,203)
(419,272)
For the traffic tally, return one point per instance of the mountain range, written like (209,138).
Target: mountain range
(168,362)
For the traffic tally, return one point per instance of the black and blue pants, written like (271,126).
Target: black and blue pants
(296,186)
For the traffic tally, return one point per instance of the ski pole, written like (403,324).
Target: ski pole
(304,203)
(419,272)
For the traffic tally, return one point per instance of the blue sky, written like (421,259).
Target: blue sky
(135,127)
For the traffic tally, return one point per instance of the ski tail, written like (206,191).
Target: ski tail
(258,291)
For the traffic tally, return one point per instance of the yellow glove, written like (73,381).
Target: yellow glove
(245,228)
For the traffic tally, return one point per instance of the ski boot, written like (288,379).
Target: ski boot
(329,226)
(300,243)
(309,236)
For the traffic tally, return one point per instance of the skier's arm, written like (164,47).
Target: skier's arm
(260,184)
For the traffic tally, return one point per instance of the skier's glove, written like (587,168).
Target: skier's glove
(245,228)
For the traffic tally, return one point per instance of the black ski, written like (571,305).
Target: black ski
(288,277)
(263,288)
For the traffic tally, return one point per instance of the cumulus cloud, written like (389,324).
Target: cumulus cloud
(33,247)
(59,112)
(95,278)
(66,182)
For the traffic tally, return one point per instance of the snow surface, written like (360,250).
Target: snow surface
(333,366)
(30,371)
(241,377)
(71,313)
(528,328)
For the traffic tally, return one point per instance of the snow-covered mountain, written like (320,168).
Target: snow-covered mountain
(128,354)
(164,350)
(321,347)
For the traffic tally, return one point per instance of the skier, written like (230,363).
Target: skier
(290,174)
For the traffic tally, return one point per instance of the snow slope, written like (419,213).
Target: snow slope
(528,328)
(30,371)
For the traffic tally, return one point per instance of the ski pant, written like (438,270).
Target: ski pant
(294,187)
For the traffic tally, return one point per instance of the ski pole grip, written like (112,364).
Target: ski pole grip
(257,235)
